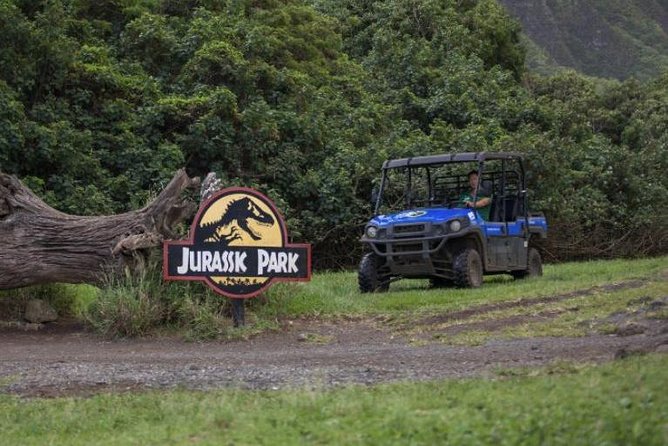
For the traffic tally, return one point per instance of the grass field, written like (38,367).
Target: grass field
(598,289)
(334,294)
(624,402)
(621,403)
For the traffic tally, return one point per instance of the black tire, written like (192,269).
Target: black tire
(368,277)
(439,282)
(468,268)
(534,266)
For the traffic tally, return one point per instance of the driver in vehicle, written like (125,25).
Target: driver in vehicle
(483,202)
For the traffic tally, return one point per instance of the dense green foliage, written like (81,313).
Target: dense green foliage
(606,38)
(100,102)
(624,402)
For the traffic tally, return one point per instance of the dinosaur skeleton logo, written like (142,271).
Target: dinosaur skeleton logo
(240,211)
(238,246)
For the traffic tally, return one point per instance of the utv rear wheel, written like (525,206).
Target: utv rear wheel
(368,276)
(468,268)
(534,266)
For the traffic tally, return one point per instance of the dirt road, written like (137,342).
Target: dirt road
(66,360)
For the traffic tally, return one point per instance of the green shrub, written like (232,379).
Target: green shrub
(66,299)
(127,307)
(203,319)
(144,304)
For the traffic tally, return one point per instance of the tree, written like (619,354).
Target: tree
(43,245)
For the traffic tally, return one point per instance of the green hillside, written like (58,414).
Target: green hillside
(604,38)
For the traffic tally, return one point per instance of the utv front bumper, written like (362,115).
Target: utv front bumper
(418,249)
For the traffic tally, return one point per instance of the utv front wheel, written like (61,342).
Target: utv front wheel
(468,268)
(534,266)
(368,277)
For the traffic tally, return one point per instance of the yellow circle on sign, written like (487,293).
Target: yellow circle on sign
(243,220)
(248,226)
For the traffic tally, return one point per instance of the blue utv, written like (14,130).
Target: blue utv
(452,219)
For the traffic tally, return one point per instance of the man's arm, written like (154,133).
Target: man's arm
(485,201)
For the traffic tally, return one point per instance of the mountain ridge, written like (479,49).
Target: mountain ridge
(603,38)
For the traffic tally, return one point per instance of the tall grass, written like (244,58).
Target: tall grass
(143,304)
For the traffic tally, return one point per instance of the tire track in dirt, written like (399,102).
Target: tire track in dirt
(488,308)
(500,323)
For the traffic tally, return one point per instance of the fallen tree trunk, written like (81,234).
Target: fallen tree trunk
(39,244)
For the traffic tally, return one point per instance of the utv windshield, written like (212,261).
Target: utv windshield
(437,185)
(445,185)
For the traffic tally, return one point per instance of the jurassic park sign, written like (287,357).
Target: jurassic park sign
(238,246)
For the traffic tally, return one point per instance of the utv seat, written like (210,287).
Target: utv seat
(487,188)
(496,212)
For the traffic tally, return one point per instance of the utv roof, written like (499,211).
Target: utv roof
(449,158)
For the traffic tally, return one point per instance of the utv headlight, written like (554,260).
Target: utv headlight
(371,232)
(455,225)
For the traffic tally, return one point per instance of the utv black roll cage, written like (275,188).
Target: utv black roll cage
(506,204)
